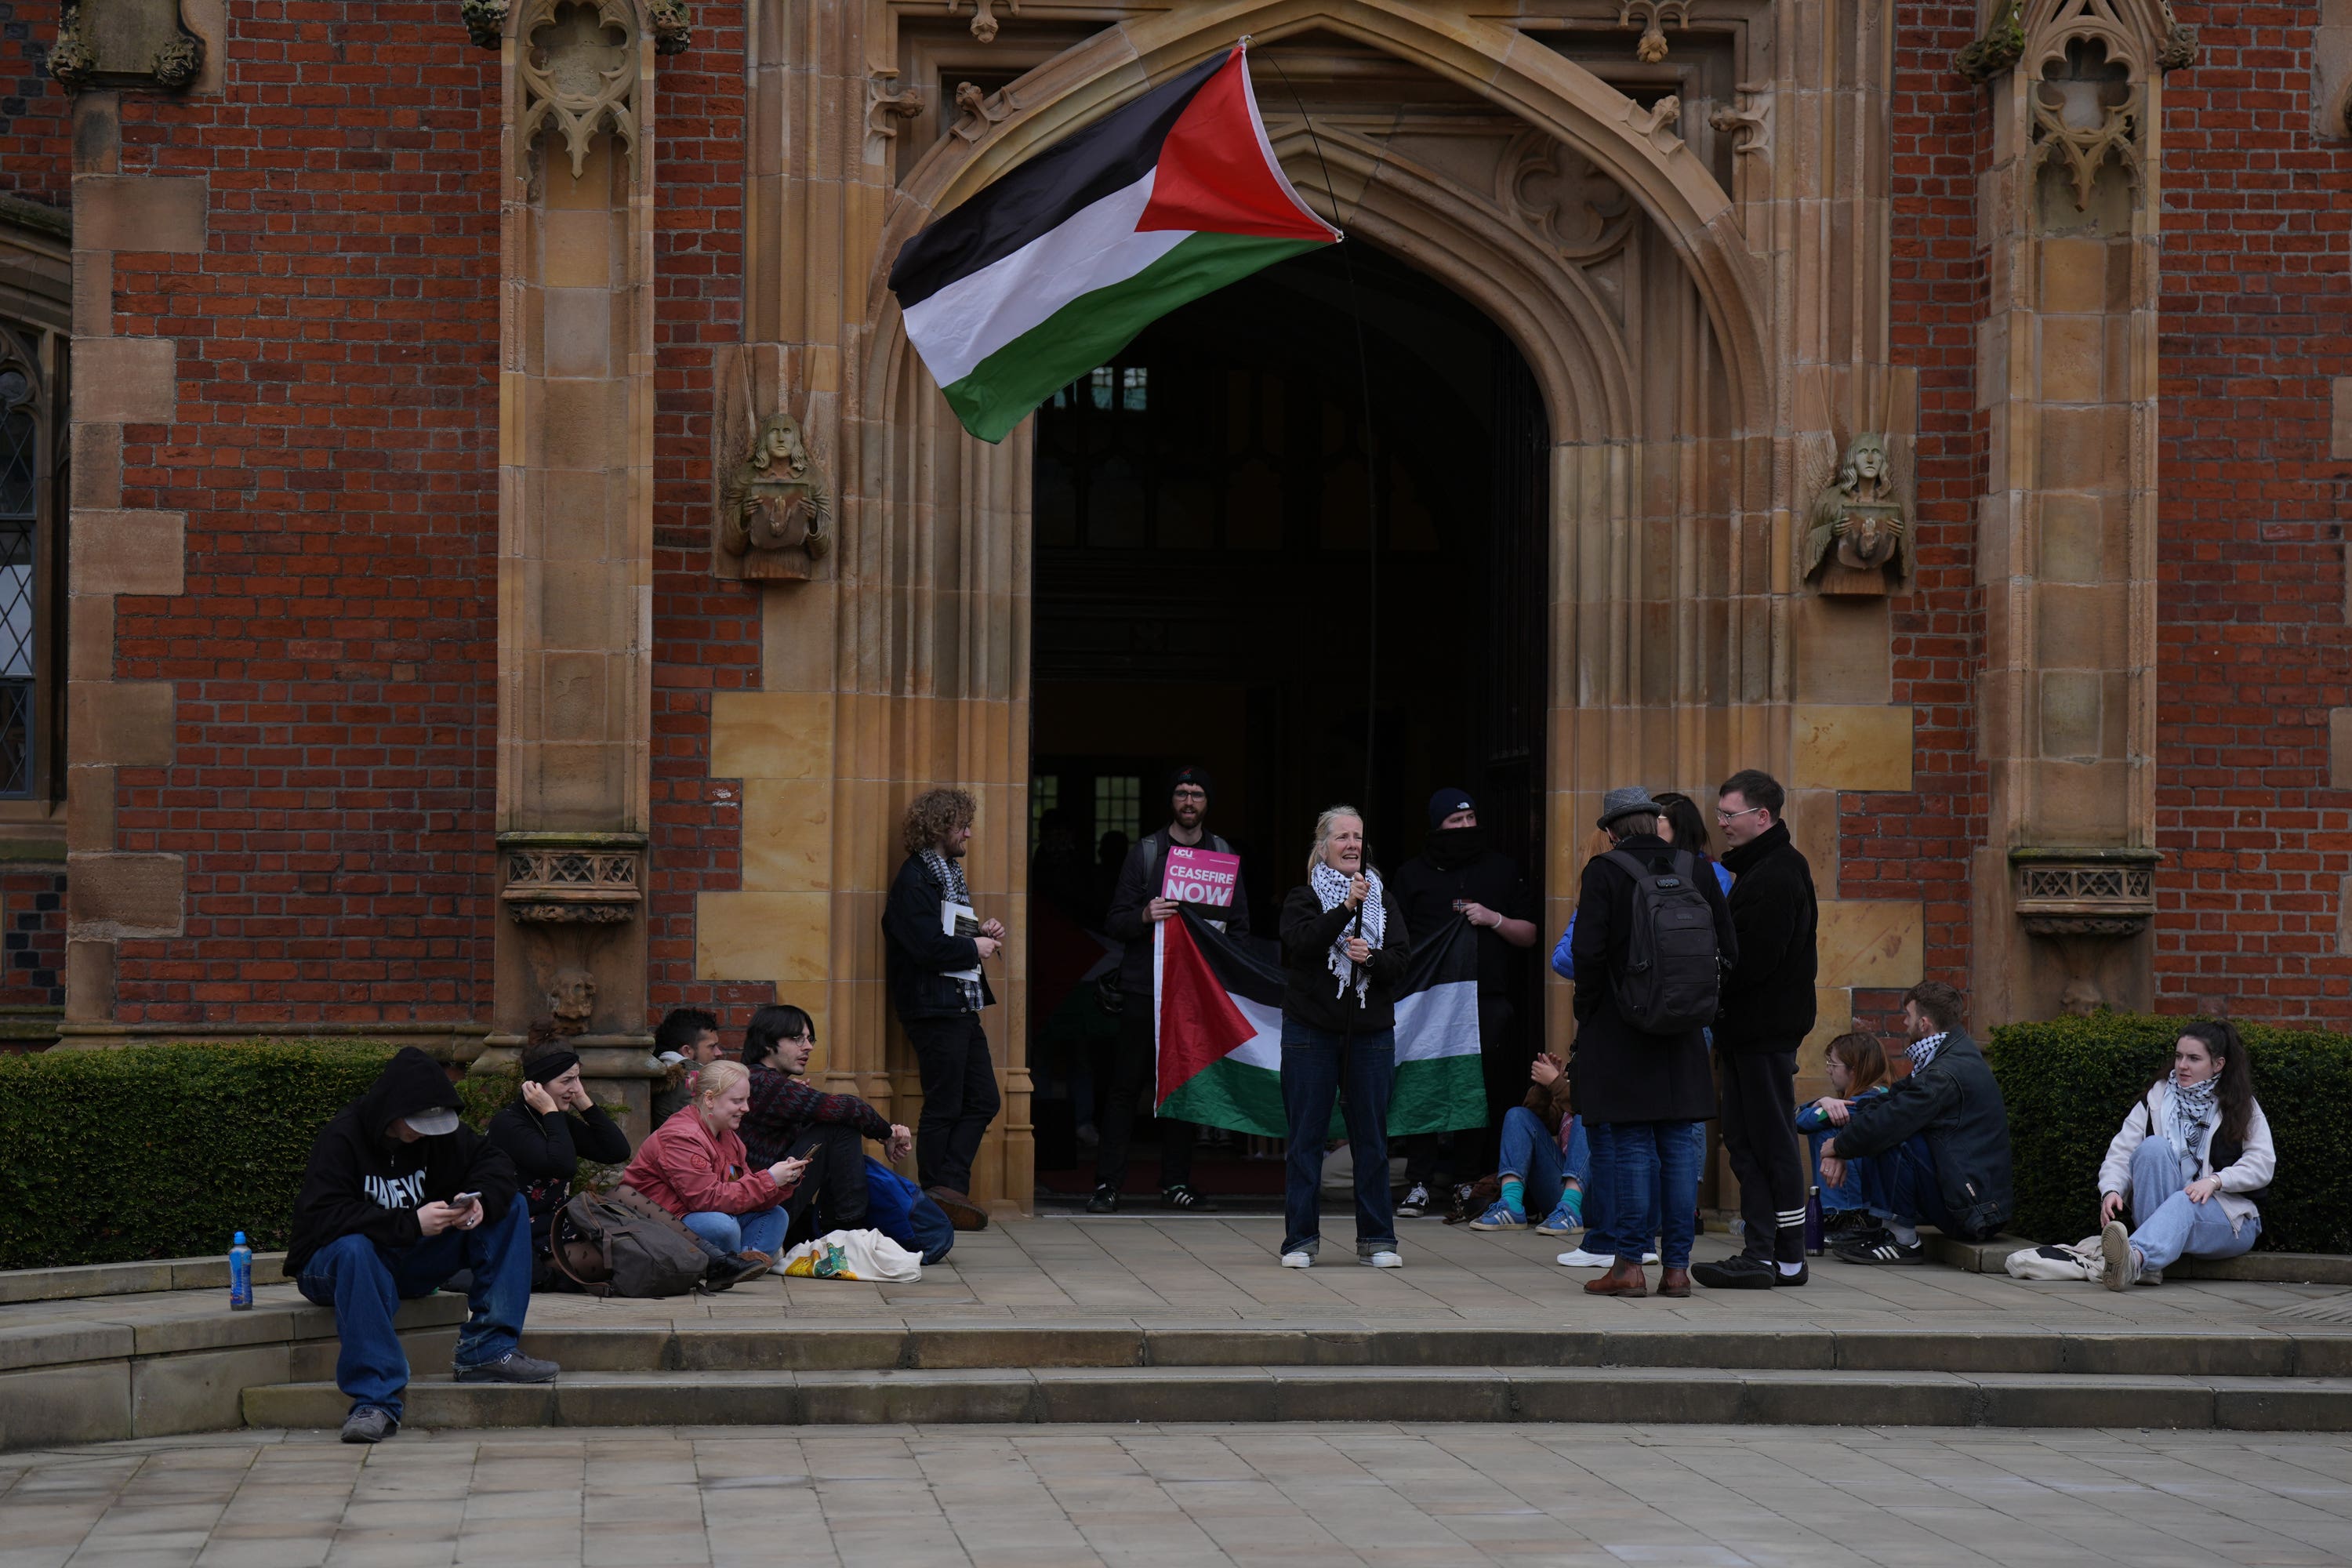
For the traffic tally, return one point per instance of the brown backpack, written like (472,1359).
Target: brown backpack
(622,1243)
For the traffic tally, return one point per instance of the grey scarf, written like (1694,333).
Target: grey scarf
(2193,1107)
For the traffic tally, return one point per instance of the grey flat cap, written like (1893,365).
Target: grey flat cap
(1631,800)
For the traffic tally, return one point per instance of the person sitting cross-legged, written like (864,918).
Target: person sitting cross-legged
(2191,1158)
(695,1166)
(1543,1157)
(1939,1141)
(398,1197)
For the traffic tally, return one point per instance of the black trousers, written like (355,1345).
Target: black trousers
(1132,1064)
(1759,1134)
(834,1191)
(959,1098)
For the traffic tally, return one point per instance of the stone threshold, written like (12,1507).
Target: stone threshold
(82,1281)
(2254,1269)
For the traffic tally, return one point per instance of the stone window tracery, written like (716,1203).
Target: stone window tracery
(32,476)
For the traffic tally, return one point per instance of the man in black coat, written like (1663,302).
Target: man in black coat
(398,1197)
(1648,1090)
(1135,909)
(934,949)
(1937,1145)
(1768,1010)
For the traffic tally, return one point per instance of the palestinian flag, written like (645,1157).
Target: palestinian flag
(1054,268)
(1218,1031)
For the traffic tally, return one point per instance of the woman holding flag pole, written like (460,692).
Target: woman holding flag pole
(1344,949)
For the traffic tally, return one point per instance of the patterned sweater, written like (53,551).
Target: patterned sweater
(783,1105)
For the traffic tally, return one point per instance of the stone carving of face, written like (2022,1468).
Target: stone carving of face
(780,447)
(571,995)
(1868,460)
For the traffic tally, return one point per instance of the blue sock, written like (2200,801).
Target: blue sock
(1514,1196)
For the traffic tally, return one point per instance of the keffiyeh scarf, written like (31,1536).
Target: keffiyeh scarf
(949,874)
(2193,1108)
(1922,1052)
(1331,887)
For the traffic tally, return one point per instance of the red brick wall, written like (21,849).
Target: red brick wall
(1917,844)
(2252,646)
(34,133)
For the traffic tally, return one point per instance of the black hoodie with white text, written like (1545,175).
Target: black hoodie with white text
(363,1182)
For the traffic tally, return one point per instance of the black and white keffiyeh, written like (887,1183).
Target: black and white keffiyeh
(949,874)
(1331,887)
(1922,1052)
(2193,1109)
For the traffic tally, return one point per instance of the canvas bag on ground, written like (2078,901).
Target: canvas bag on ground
(2083,1261)
(906,1213)
(852,1254)
(622,1243)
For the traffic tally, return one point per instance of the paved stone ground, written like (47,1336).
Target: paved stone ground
(1172,1496)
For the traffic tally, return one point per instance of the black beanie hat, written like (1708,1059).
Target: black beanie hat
(1446,803)
(1196,776)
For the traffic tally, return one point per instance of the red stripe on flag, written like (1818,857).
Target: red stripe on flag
(1198,1022)
(1215,174)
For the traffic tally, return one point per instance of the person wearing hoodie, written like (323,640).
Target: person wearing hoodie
(546,1129)
(400,1196)
(1457,878)
(1768,1011)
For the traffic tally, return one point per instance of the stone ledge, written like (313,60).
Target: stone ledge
(2254,1269)
(82,1281)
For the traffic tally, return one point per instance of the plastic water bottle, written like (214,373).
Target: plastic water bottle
(240,1274)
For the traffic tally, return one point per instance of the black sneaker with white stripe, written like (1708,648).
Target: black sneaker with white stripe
(1880,1246)
(1182,1196)
(1415,1204)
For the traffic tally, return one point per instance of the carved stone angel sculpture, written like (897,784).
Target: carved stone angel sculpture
(775,500)
(1859,541)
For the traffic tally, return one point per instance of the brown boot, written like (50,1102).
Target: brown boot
(962,1212)
(1624,1278)
(1675,1282)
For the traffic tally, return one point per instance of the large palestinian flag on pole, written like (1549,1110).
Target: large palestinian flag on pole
(1219,1031)
(1054,268)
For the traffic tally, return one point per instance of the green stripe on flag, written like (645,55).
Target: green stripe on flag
(1437,1094)
(1003,388)
(1233,1095)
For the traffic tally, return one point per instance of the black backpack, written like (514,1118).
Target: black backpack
(1673,978)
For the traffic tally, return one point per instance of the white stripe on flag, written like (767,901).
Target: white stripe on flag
(1092,248)
(1442,1021)
(1263,1049)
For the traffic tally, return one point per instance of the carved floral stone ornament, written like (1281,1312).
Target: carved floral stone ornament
(1752,124)
(983,16)
(1859,540)
(2084,892)
(579,71)
(2086,114)
(1651,49)
(125,44)
(886,105)
(571,879)
(2143,33)
(775,505)
(672,23)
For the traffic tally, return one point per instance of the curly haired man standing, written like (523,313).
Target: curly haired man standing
(936,947)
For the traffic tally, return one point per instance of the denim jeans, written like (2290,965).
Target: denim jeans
(1849,1193)
(1314,1064)
(1536,1157)
(2171,1227)
(1900,1184)
(1656,1165)
(761,1231)
(365,1283)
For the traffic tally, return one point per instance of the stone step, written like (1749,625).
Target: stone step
(1616,1396)
(2321,1350)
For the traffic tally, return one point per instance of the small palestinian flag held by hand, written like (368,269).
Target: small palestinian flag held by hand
(1054,268)
(1218,1031)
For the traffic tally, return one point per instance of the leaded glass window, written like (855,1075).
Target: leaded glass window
(21,473)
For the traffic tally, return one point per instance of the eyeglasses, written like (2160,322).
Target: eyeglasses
(1725,818)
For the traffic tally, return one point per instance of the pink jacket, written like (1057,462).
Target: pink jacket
(687,1170)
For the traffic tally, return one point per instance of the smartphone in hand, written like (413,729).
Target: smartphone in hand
(464,1199)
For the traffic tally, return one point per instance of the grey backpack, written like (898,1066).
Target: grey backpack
(622,1243)
(1673,979)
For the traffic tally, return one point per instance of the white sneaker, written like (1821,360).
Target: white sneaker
(2122,1264)
(1579,1258)
(1298,1261)
(1382,1259)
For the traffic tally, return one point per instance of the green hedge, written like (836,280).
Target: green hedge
(166,1151)
(2069,1083)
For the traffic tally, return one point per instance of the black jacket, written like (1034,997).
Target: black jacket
(1139,884)
(1310,992)
(1956,1101)
(1427,890)
(919,955)
(361,1183)
(546,1152)
(1622,1073)
(1768,995)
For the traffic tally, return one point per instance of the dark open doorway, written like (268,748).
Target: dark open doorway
(1200,596)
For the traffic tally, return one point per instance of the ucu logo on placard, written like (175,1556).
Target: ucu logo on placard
(396,1192)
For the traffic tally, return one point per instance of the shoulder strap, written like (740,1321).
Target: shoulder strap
(1632,863)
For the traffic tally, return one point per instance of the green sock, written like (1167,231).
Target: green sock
(1514,1196)
(1572,1200)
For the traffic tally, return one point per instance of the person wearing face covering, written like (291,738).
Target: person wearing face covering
(399,1195)
(1457,878)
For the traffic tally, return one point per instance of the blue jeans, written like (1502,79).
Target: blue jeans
(1656,1165)
(1900,1184)
(1535,1157)
(762,1231)
(365,1283)
(1600,1187)
(1849,1193)
(2171,1227)
(1314,1061)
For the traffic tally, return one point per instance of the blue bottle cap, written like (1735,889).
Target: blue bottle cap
(237,1240)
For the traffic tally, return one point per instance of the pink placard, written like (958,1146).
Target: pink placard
(1200,876)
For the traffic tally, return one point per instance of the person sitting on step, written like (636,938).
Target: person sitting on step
(791,1116)
(695,1166)
(2191,1159)
(1941,1137)
(1544,1159)
(399,1195)
(546,1129)
(1856,1064)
